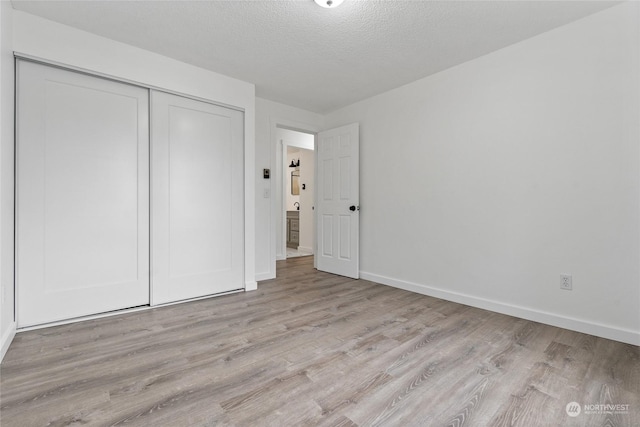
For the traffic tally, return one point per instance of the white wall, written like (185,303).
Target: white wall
(7,318)
(269,212)
(483,183)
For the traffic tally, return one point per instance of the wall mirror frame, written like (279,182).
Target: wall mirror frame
(295,183)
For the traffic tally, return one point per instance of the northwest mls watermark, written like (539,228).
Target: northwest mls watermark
(574,409)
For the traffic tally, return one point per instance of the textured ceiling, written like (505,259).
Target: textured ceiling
(318,59)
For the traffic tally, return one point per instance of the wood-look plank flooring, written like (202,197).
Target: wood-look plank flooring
(310,348)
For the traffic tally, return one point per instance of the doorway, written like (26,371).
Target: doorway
(298,160)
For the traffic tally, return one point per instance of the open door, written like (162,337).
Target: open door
(338,198)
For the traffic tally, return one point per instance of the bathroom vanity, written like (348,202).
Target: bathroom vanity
(293,229)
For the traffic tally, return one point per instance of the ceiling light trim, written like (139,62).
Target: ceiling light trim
(328,4)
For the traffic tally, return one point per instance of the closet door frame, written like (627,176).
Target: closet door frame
(248,260)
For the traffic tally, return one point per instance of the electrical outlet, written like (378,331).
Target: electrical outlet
(566,282)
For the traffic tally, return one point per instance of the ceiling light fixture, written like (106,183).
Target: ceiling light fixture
(329,4)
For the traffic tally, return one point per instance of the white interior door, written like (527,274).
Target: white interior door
(338,212)
(197,212)
(82,205)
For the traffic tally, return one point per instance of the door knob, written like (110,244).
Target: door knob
(352,208)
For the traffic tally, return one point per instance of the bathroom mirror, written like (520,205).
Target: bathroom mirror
(295,183)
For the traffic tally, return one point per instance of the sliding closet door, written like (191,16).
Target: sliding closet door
(197,212)
(82,195)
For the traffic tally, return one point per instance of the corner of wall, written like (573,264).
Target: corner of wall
(250,285)
(270,115)
(495,141)
(7,315)
(535,315)
(7,338)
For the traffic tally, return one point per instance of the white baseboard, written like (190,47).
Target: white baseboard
(7,338)
(617,334)
(265,276)
(306,249)
(251,285)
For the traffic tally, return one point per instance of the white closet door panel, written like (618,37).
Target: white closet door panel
(197,203)
(82,195)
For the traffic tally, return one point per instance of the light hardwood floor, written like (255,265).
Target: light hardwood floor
(312,348)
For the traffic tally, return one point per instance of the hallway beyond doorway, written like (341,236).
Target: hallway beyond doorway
(294,253)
